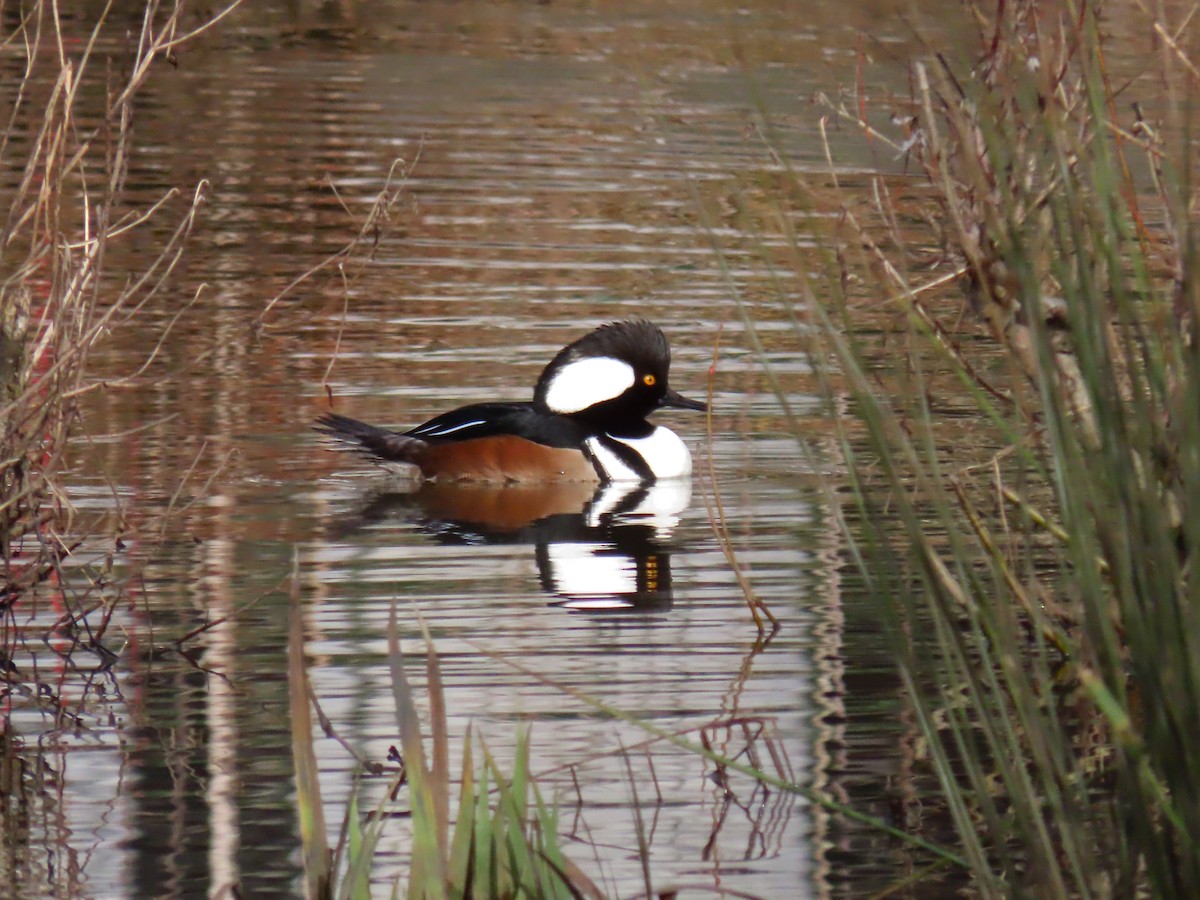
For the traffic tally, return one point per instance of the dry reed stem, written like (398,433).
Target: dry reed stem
(370,232)
(1032,174)
(56,305)
(760,612)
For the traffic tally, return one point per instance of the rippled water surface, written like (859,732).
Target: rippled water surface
(561,165)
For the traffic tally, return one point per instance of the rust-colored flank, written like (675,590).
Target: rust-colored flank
(503,458)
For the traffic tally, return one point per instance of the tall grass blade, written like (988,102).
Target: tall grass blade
(462,841)
(439,771)
(314,840)
(360,845)
(427,875)
(1052,652)
(501,850)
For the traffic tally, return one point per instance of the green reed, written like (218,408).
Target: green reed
(506,846)
(501,841)
(1038,581)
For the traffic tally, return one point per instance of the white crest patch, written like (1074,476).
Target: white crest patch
(586,382)
(664,452)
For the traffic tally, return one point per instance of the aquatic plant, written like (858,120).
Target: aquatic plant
(1039,582)
(502,840)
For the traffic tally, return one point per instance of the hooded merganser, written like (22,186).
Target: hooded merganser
(587,421)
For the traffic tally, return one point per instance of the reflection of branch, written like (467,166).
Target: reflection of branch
(170,510)
(49,702)
(783,783)
(754,729)
(716,516)
(213,623)
(643,839)
(737,687)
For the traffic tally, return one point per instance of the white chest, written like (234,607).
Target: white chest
(663,452)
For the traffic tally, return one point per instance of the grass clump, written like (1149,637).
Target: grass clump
(509,850)
(1044,599)
(502,840)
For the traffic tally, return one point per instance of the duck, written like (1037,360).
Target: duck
(587,421)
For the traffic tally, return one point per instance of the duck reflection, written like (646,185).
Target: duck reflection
(598,549)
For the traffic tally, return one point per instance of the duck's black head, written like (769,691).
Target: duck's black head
(615,375)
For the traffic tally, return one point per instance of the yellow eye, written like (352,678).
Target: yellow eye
(649,380)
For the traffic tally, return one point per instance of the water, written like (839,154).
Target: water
(563,165)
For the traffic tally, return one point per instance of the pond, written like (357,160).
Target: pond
(561,165)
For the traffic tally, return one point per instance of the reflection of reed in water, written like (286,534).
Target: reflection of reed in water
(35,854)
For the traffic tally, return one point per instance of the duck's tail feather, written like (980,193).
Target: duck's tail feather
(369,440)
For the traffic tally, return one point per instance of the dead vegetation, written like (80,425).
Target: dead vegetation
(1040,583)
(58,302)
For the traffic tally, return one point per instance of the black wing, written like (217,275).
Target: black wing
(481,420)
